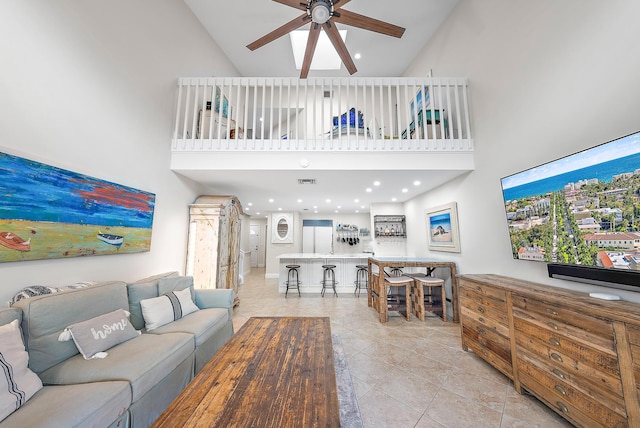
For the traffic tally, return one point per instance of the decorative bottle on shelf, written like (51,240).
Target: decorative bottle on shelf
(386,231)
(393,231)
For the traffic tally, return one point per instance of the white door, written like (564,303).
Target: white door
(254,244)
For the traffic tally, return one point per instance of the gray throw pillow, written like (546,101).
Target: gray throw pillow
(94,336)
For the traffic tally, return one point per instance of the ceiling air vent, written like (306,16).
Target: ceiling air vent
(306,181)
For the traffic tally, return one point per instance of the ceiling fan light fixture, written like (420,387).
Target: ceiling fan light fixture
(320,11)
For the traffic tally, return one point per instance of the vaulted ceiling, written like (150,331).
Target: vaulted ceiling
(234,24)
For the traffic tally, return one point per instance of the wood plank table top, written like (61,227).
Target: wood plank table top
(274,372)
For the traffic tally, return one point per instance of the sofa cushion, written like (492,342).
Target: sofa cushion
(143,289)
(202,324)
(169,307)
(96,404)
(44,318)
(98,334)
(166,285)
(17,383)
(143,362)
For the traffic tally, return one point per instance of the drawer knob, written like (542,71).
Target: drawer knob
(552,325)
(480,309)
(562,407)
(552,311)
(558,373)
(560,389)
(554,341)
(484,352)
(481,320)
(556,357)
(482,331)
(483,342)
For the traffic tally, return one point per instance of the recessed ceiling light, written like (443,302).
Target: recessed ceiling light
(416,183)
(368,189)
(315,207)
(405,190)
(250,204)
(271,200)
(339,207)
(315,212)
(376,183)
(299,200)
(328,201)
(362,206)
(279,209)
(357,211)
(357,55)
(356,200)
(394,199)
(336,211)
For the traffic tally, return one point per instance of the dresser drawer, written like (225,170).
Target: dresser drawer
(595,368)
(487,305)
(564,400)
(499,360)
(487,338)
(475,290)
(489,318)
(610,397)
(633,332)
(598,333)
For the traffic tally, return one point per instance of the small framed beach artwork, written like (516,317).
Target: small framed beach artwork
(48,212)
(442,228)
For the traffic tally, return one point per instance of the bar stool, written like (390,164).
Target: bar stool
(328,279)
(396,271)
(398,296)
(428,301)
(293,280)
(362,275)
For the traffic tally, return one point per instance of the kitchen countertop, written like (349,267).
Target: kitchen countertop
(324,256)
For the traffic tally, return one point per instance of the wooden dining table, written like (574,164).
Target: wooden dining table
(410,262)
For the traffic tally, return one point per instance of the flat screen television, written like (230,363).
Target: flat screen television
(580,214)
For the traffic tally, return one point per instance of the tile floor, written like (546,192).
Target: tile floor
(406,374)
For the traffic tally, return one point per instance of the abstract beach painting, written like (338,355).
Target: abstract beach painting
(48,212)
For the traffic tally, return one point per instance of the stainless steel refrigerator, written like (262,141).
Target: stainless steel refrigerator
(317,236)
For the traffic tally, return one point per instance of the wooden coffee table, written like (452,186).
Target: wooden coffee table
(274,372)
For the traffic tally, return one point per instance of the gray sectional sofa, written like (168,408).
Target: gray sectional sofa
(138,378)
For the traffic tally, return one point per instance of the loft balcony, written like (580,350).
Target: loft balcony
(222,121)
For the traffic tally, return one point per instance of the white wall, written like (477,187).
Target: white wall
(547,79)
(90,87)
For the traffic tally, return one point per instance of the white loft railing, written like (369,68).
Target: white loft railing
(320,114)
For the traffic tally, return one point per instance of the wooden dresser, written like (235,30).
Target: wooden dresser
(577,354)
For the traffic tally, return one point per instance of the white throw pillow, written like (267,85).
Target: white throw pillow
(17,382)
(172,306)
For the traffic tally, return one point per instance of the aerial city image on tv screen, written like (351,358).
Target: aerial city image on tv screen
(583,209)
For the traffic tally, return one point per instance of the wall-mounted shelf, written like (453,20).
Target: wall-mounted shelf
(389,226)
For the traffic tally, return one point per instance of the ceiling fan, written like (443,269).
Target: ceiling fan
(323,14)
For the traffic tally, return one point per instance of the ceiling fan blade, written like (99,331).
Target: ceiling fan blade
(356,20)
(312,41)
(341,48)
(293,3)
(294,24)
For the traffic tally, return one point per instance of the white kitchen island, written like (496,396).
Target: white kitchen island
(310,271)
